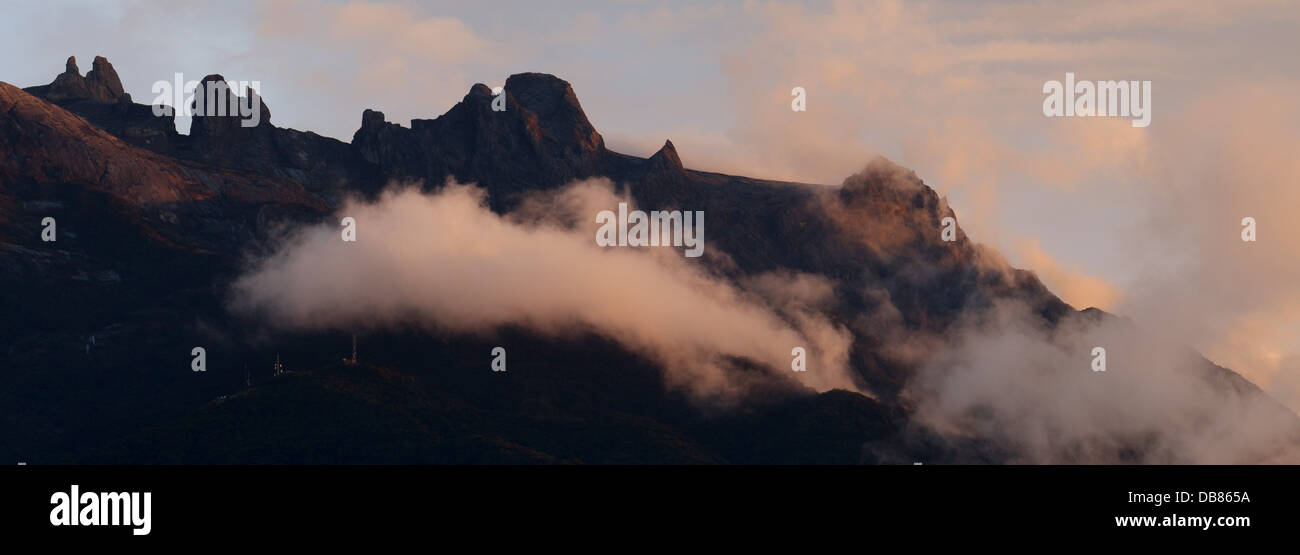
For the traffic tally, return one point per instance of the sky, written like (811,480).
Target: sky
(1144,222)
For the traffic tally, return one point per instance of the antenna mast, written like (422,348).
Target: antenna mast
(352,361)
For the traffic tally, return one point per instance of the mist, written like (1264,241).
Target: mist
(1007,376)
(443,261)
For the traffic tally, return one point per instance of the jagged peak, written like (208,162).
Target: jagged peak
(535,89)
(102,72)
(881,171)
(557,108)
(100,84)
(666,157)
(372,118)
(885,188)
(200,113)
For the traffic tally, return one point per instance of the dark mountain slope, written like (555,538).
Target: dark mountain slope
(154,226)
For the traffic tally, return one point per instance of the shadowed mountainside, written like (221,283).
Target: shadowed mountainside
(154,226)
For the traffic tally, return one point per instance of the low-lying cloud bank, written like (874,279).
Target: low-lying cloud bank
(443,260)
(1031,388)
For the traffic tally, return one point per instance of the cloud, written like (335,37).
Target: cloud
(1031,389)
(399,30)
(445,262)
(1143,221)
(1234,153)
(946,88)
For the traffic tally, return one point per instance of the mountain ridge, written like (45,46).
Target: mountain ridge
(191,209)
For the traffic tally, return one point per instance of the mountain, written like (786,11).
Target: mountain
(153,227)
